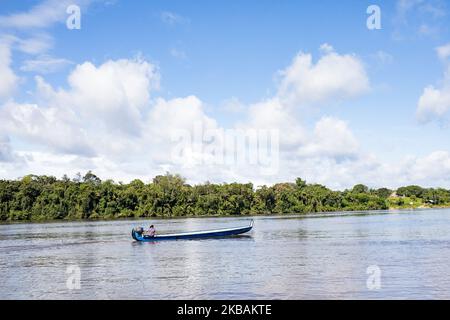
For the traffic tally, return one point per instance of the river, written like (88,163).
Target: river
(360,255)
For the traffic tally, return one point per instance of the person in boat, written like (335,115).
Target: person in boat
(139,230)
(151,232)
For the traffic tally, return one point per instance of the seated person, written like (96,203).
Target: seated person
(150,232)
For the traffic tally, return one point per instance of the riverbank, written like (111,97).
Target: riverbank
(412,203)
(46,198)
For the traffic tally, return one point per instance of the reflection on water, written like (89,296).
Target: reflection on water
(320,256)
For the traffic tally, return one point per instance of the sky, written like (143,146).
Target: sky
(140,88)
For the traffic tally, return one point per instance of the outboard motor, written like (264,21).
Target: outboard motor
(138,230)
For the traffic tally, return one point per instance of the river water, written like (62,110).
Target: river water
(362,255)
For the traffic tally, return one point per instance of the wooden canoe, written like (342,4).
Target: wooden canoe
(193,235)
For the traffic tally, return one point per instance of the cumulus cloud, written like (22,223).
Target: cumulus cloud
(51,127)
(175,119)
(113,95)
(271,114)
(434,103)
(433,167)
(99,111)
(107,113)
(106,120)
(333,76)
(178,113)
(331,138)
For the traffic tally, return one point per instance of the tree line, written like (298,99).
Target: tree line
(48,198)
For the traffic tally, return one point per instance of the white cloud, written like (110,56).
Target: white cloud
(271,114)
(98,113)
(331,143)
(67,142)
(434,167)
(8,79)
(56,164)
(331,138)
(326,48)
(114,83)
(178,113)
(334,76)
(434,103)
(443,52)
(432,170)
(106,120)
(113,95)
(172,119)
(55,128)
(44,64)
(36,44)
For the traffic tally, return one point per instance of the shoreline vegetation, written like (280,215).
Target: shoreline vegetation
(46,198)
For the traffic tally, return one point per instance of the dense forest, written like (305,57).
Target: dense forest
(48,198)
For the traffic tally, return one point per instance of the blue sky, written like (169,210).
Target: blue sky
(232,53)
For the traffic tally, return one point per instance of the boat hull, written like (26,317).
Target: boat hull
(193,235)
